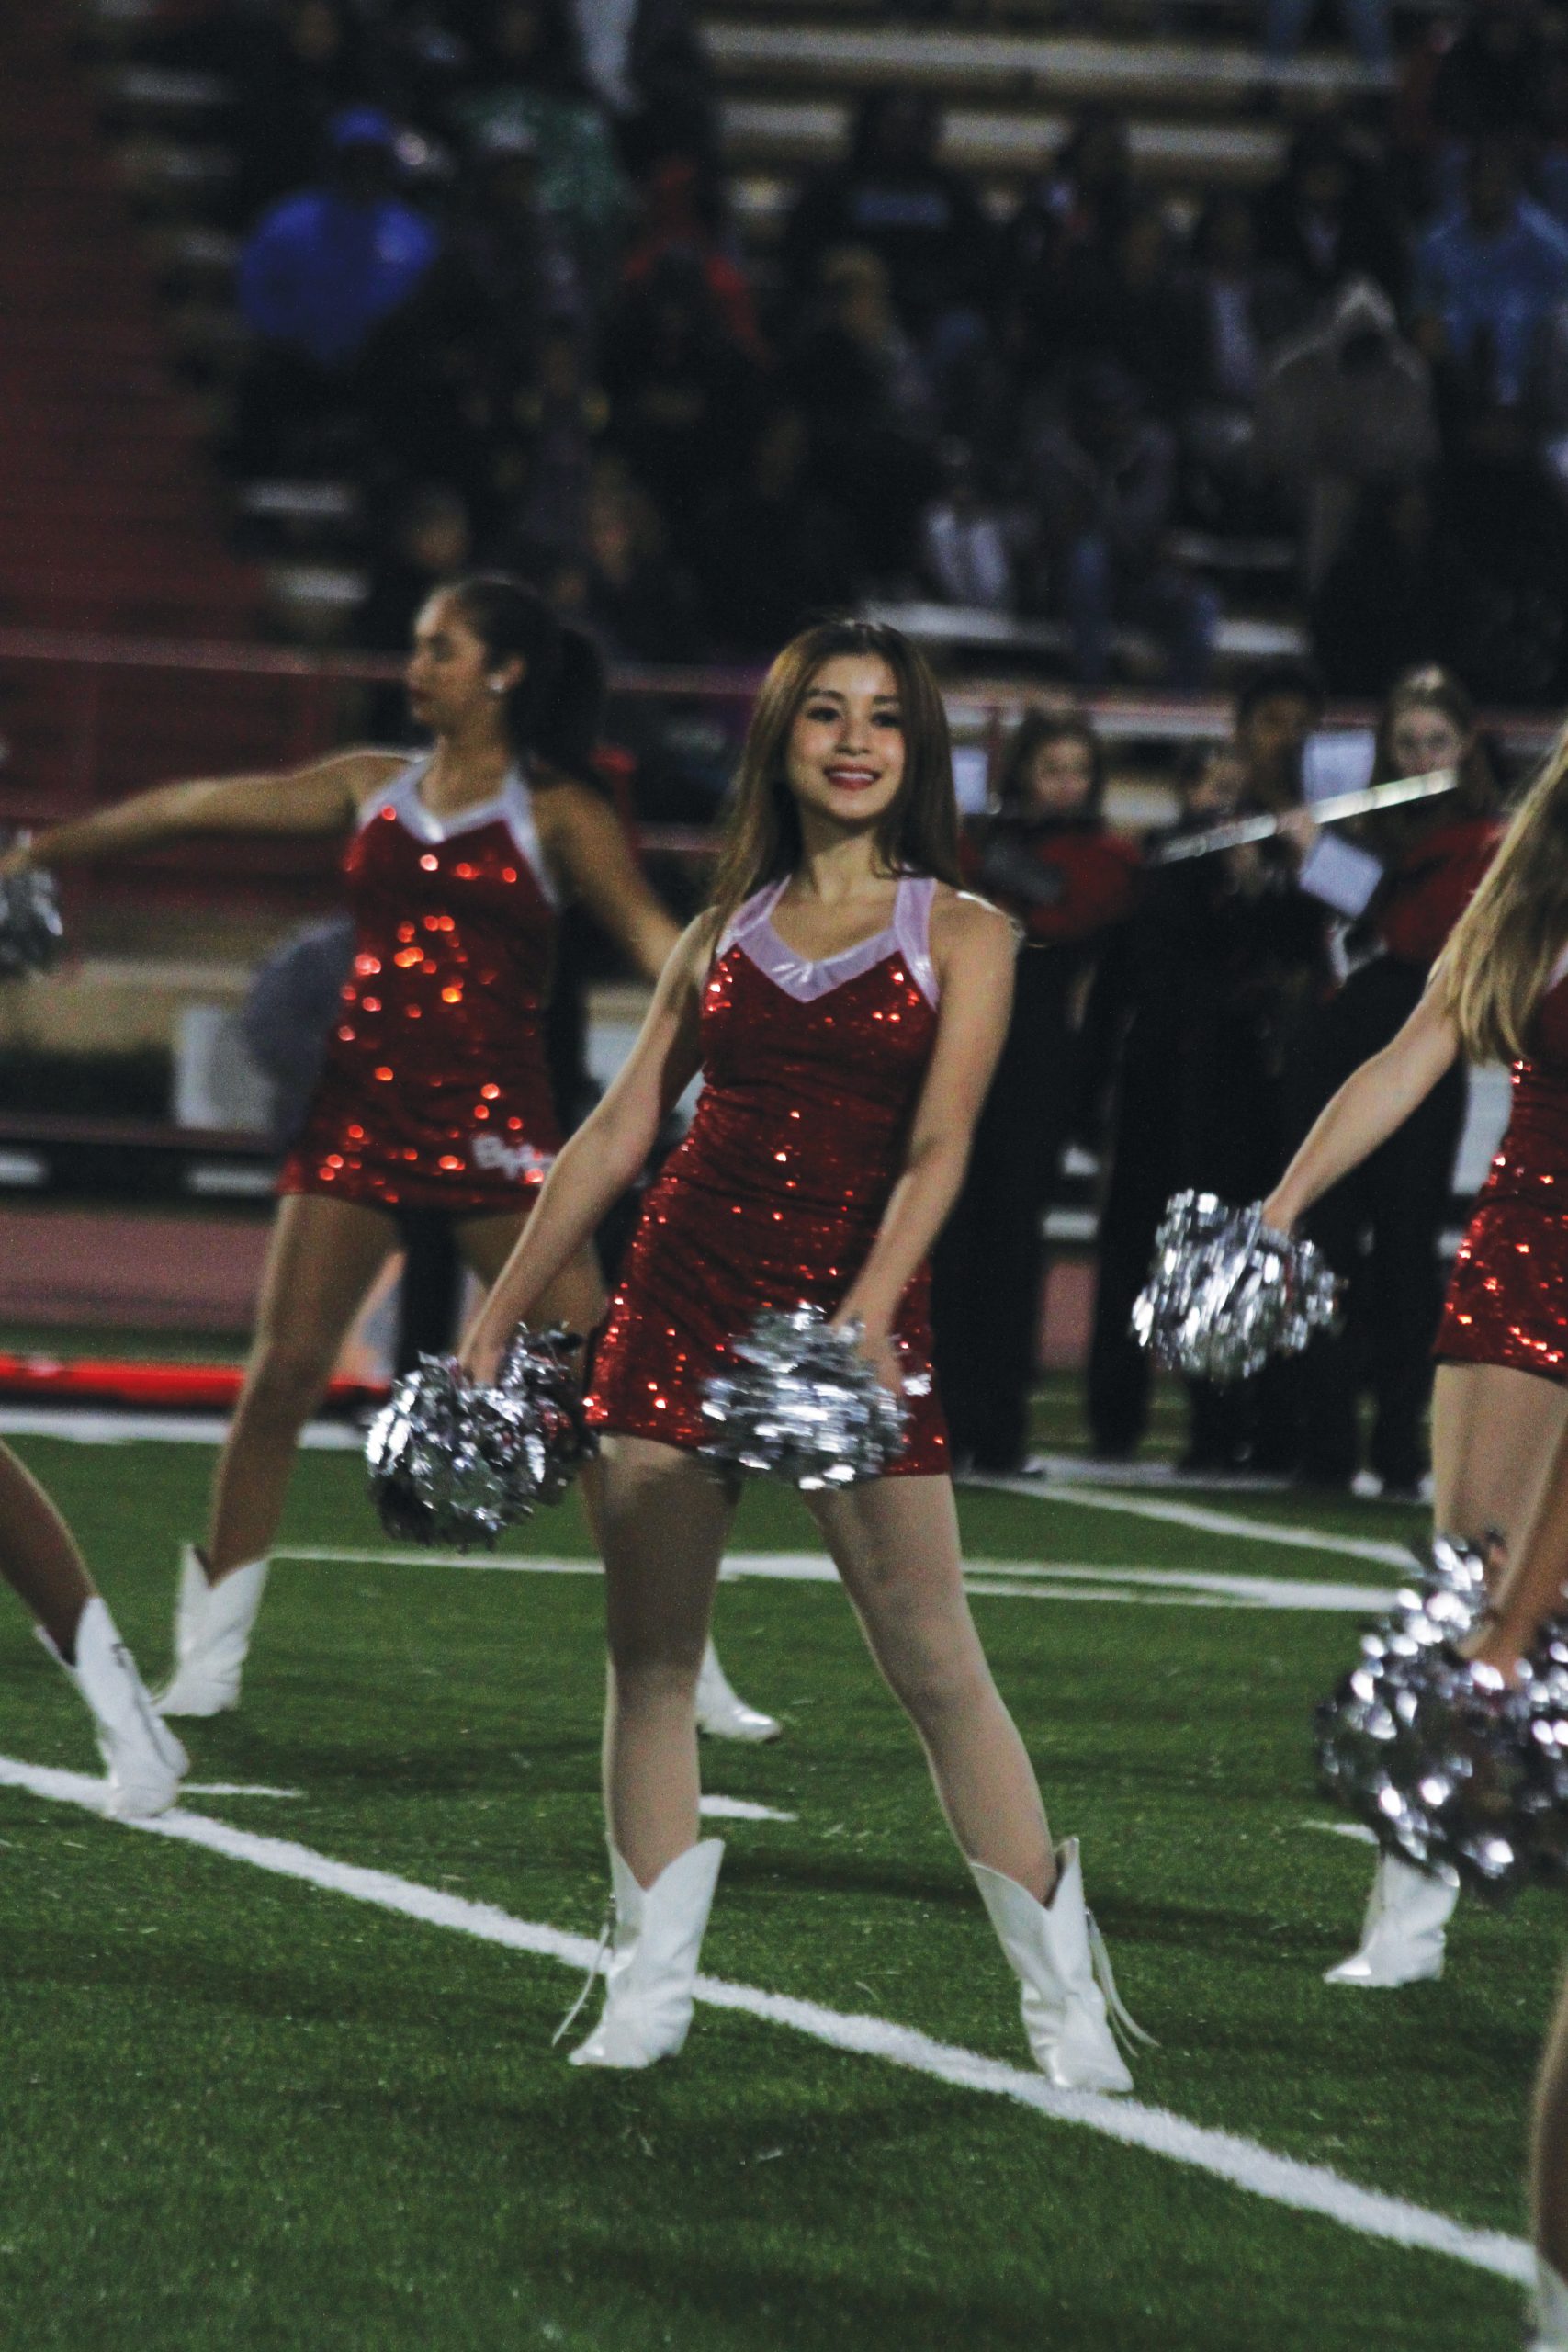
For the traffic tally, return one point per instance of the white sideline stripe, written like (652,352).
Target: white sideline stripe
(1212,1522)
(84,1425)
(1284,2180)
(740,1809)
(1002,1580)
(1356,1829)
(235,1789)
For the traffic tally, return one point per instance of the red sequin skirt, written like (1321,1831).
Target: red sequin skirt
(1507,1303)
(699,1272)
(418,1142)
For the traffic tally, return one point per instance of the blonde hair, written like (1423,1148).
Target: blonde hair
(918,834)
(1495,970)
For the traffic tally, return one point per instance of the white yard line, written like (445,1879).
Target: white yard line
(105,1425)
(999,1579)
(1205,1521)
(1356,1829)
(1224,2156)
(740,1809)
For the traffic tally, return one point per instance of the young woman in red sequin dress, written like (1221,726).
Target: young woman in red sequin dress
(1499,991)
(436,1091)
(845,1003)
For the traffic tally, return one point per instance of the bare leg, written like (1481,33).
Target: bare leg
(1494,1434)
(663,1518)
(324,1258)
(38,1557)
(894,1541)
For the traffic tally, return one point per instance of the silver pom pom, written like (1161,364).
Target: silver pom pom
(31,934)
(1225,1291)
(451,1462)
(1434,1753)
(804,1405)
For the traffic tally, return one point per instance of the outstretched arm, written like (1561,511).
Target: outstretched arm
(601,1159)
(1373,1100)
(974,950)
(320,798)
(585,841)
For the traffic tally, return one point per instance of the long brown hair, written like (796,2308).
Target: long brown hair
(918,832)
(1431,687)
(1494,971)
(1035,732)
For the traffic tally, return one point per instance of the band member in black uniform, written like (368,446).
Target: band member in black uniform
(1229,959)
(1380,1227)
(1049,859)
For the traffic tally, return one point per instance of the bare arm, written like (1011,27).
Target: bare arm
(323,798)
(585,841)
(601,1159)
(1373,1100)
(974,951)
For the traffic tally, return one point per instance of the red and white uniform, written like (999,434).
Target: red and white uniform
(811,1074)
(1507,1303)
(435,1093)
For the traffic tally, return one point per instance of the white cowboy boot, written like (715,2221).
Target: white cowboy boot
(1058,1957)
(1402,1936)
(212,1633)
(1550,2313)
(722,1713)
(144,1762)
(654,1949)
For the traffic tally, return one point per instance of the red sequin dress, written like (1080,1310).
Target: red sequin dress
(1507,1303)
(435,1093)
(811,1075)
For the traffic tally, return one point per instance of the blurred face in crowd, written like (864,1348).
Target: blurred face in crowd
(436,538)
(845,756)
(1423,737)
(449,671)
(1061,778)
(1218,786)
(1270,739)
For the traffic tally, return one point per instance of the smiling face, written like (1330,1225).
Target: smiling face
(1423,739)
(450,670)
(844,758)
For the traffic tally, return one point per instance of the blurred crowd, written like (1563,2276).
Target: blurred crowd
(493,275)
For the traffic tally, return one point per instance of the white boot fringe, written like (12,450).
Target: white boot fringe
(654,1945)
(722,1713)
(1402,1935)
(144,1761)
(212,1634)
(1070,2002)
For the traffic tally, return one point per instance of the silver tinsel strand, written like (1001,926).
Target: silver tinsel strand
(31,934)
(451,1462)
(1454,1772)
(803,1404)
(1225,1291)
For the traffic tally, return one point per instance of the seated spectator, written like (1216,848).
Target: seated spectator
(924,222)
(1080,204)
(1394,595)
(639,603)
(1101,481)
(1494,79)
(870,408)
(967,538)
(681,389)
(527,74)
(679,218)
(1126,301)
(1239,307)
(648,68)
(559,421)
(1341,409)
(1492,278)
(431,540)
(1326,220)
(322,272)
(772,549)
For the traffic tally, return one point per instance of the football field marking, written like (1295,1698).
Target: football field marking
(1224,2156)
(1203,1520)
(998,1579)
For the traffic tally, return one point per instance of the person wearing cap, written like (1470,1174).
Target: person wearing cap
(319,274)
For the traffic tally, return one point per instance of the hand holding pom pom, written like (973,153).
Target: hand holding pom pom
(452,1463)
(804,1404)
(31,934)
(1225,1293)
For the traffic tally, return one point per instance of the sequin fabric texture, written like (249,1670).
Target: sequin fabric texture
(811,1075)
(1507,1303)
(435,1093)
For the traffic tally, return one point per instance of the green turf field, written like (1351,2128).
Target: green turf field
(240,2110)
